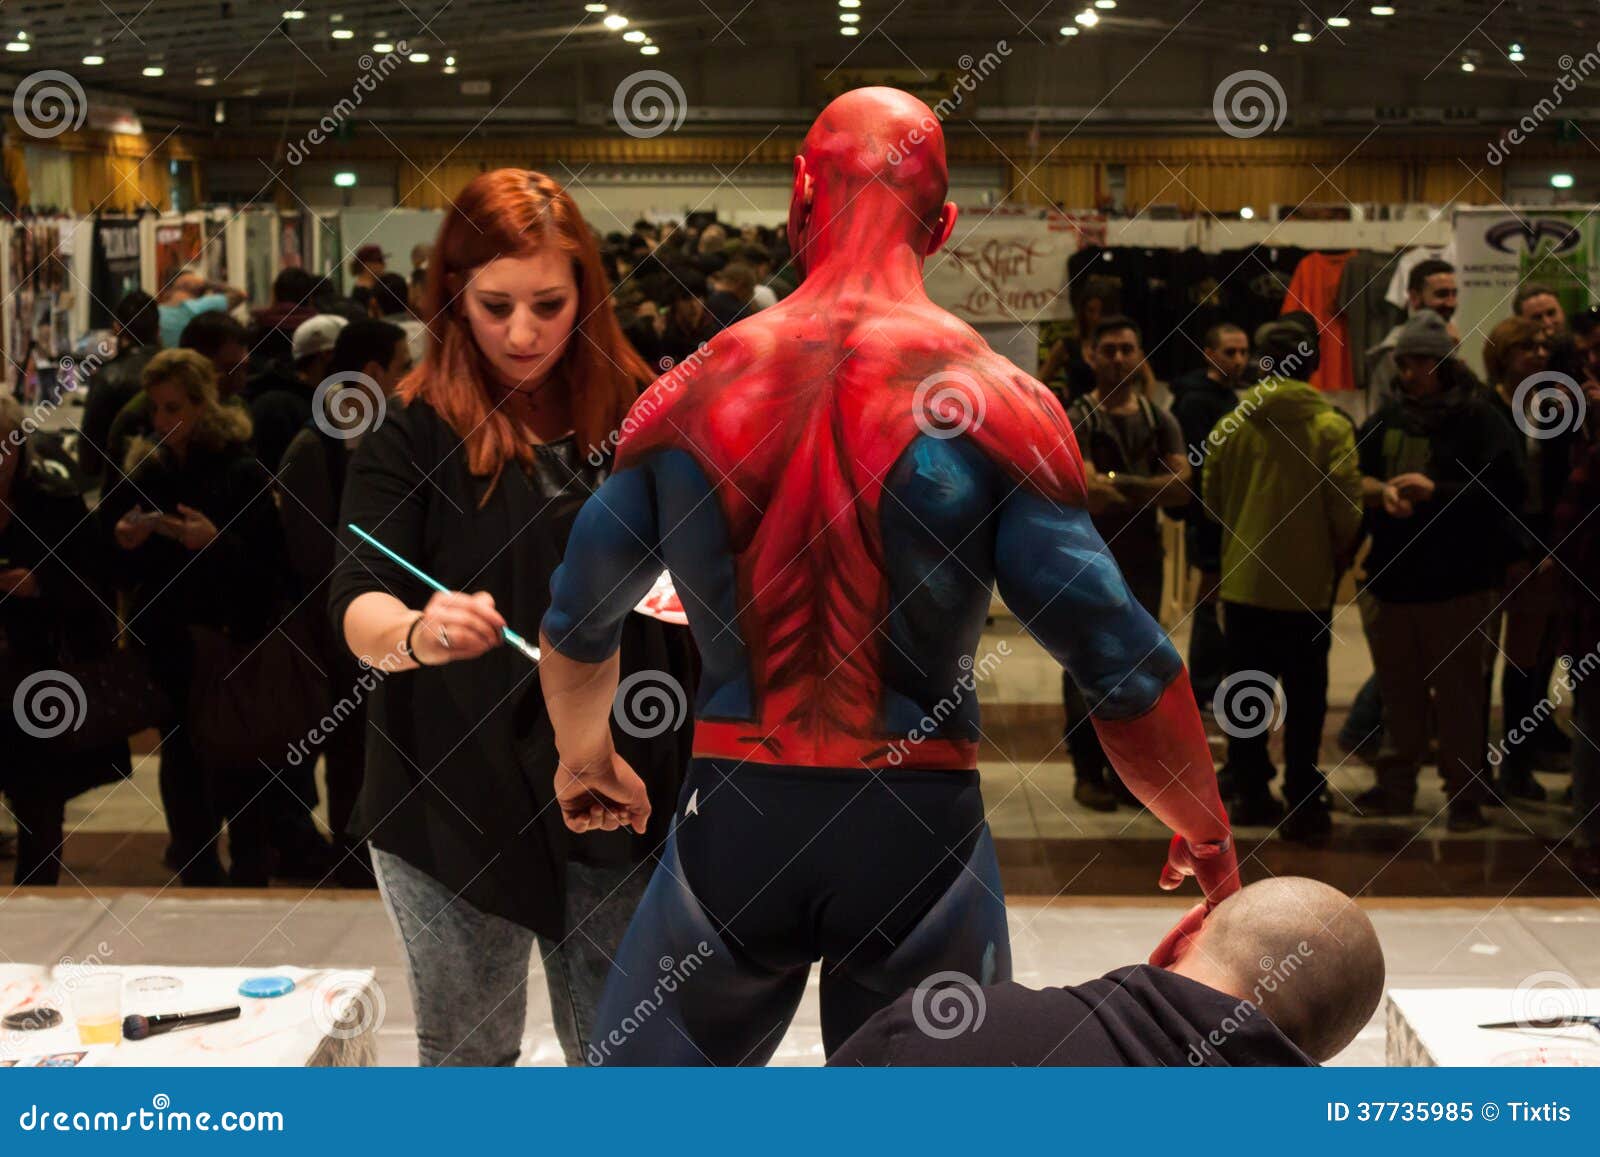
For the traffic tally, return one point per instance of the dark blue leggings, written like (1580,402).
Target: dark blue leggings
(888,878)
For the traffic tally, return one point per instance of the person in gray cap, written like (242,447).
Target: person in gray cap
(1441,477)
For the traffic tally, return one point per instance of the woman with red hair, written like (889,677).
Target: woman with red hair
(474,472)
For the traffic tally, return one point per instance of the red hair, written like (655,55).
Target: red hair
(515,213)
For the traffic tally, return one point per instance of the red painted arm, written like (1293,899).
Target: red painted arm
(1164,759)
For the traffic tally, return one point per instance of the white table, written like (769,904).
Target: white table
(330,1018)
(1439,1026)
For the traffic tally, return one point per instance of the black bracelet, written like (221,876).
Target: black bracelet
(406,648)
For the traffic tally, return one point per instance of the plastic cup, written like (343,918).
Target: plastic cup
(97,1007)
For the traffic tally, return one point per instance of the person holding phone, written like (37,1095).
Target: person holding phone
(197,542)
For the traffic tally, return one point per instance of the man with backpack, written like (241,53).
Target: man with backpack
(1134,464)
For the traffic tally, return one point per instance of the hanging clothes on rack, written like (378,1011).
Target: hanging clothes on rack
(1255,281)
(1315,289)
(1363,303)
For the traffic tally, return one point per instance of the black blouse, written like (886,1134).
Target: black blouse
(461,757)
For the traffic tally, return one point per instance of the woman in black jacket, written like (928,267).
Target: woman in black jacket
(53,615)
(196,542)
(475,473)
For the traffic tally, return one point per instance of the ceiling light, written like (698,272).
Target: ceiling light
(153,70)
(849,3)
(1247,214)
(1382,10)
(633,36)
(1515,54)
(615,21)
(205,81)
(344,33)
(1561,180)
(1338,22)
(1301,36)
(450,60)
(1088,18)
(17,46)
(382,46)
(450,70)
(294,14)
(849,30)
(419,58)
(1105,3)
(850,17)
(594,7)
(649,50)
(1262,47)
(94,58)
(1467,65)
(1070,30)
(344,180)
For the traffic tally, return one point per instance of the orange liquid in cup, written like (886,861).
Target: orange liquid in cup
(106,1031)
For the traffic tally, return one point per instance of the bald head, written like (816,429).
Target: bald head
(875,158)
(1302,952)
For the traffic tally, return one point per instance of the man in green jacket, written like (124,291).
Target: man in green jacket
(1282,478)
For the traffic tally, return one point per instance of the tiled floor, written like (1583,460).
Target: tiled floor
(1426,945)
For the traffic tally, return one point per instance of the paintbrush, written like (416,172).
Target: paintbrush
(506,633)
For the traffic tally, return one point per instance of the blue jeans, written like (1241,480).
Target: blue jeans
(469,968)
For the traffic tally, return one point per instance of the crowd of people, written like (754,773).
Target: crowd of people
(197,448)
(1463,520)
(1458,507)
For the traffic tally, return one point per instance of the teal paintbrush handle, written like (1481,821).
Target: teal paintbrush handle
(506,633)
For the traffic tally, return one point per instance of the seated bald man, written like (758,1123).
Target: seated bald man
(1284,972)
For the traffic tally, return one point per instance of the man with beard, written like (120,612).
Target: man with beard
(1431,286)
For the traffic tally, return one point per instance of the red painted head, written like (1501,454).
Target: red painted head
(872,173)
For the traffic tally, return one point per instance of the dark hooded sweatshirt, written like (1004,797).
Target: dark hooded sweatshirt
(1135,1016)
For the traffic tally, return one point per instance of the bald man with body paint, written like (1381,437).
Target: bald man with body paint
(836,485)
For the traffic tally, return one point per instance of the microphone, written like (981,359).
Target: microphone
(135,1027)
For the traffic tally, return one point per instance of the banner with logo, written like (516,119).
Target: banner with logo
(1499,250)
(1003,269)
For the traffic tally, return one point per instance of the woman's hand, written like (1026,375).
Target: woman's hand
(602,795)
(456,626)
(194,529)
(133,528)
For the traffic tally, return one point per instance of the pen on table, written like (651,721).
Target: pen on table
(506,633)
